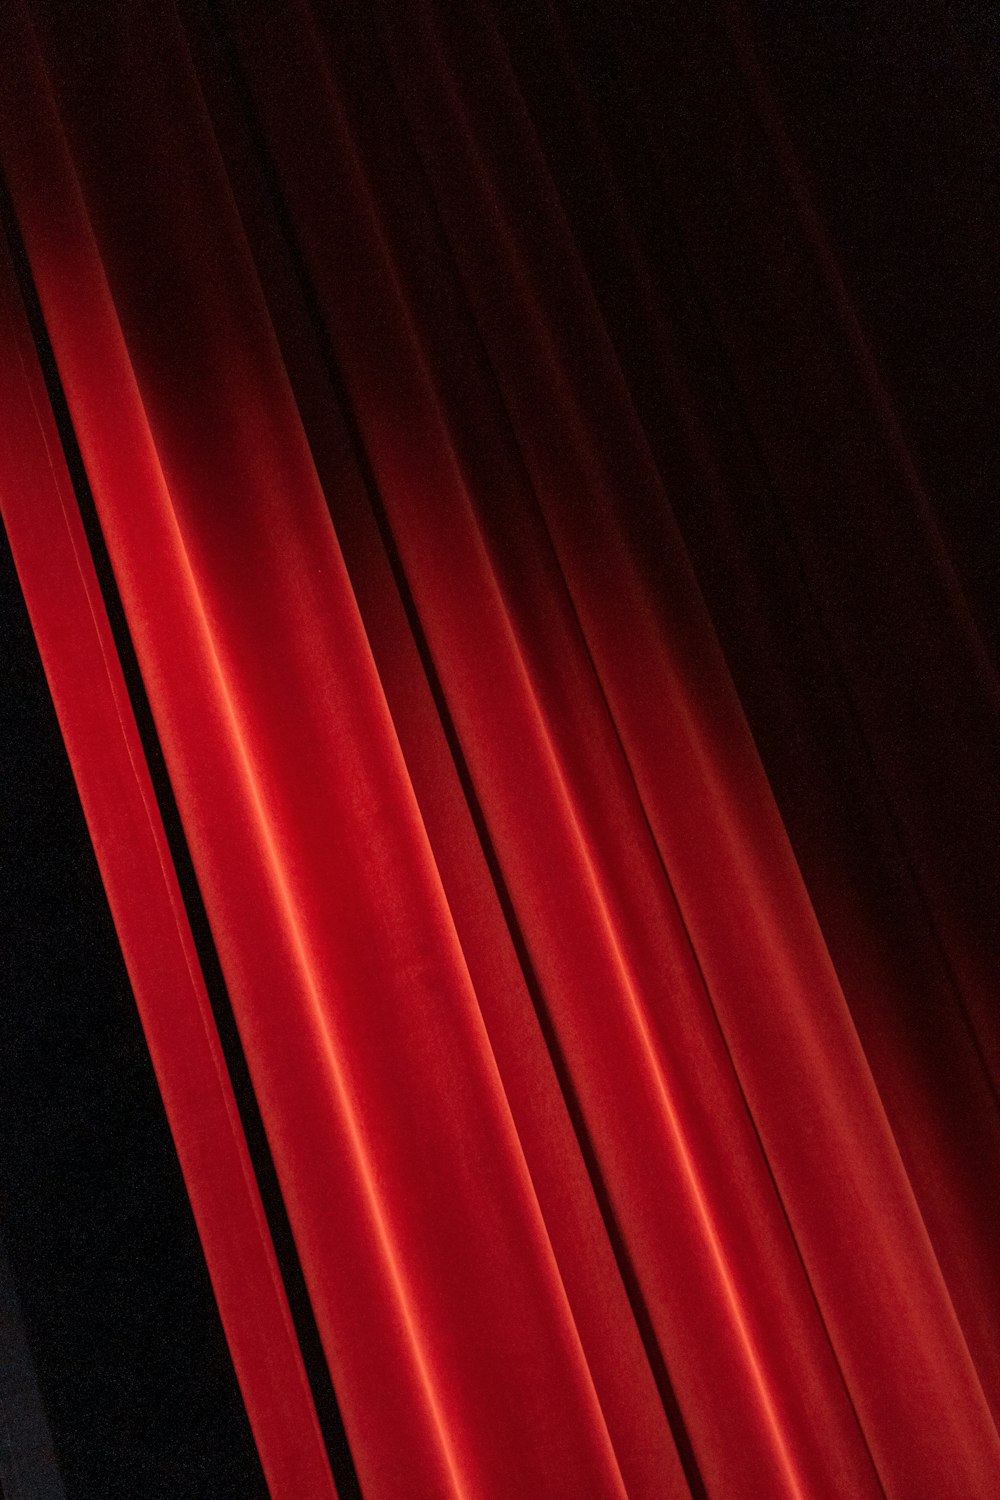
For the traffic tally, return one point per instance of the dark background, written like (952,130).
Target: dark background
(131,1361)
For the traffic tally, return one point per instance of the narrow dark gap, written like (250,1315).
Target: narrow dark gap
(317,323)
(626,1267)
(303,1316)
(665,239)
(108,1283)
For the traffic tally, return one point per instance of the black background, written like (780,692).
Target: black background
(117,1306)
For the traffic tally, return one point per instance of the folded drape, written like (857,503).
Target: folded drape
(582,737)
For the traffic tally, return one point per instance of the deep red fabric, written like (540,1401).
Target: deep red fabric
(580,719)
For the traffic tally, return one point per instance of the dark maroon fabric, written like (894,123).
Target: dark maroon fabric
(545,455)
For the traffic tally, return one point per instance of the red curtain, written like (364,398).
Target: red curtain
(558,595)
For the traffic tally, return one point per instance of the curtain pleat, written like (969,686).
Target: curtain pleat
(583,740)
(97,721)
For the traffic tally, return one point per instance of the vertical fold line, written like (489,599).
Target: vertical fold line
(778,509)
(362,459)
(324,1399)
(605,335)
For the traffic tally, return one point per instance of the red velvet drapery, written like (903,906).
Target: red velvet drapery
(572,681)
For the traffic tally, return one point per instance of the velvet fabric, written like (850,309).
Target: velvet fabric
(562,632)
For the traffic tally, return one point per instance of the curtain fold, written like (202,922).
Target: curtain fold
(584,743)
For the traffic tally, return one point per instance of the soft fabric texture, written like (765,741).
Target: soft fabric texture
(556,589)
